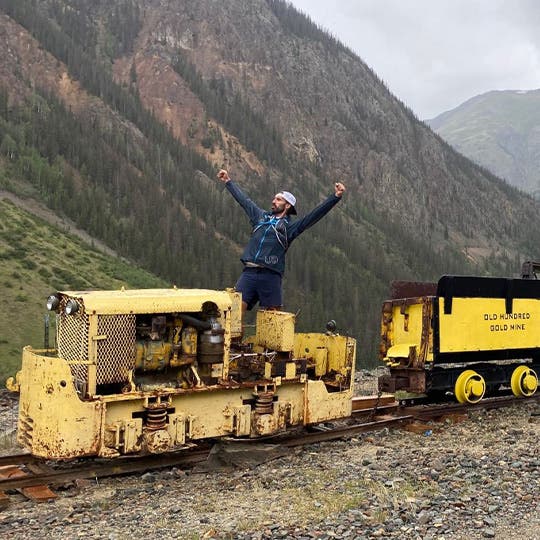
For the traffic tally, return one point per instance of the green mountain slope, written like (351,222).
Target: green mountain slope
(37,258)
(501,131)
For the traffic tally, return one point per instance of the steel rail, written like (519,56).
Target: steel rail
(433,411)
(17,459)
(116,467)
(122,466)
(131,465)
(348,431)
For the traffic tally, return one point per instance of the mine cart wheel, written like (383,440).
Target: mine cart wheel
(470,387)
(524,381)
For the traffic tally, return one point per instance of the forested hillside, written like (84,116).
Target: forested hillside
(37,258)
(118,114)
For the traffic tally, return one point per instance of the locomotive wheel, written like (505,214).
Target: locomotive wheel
(524,381)
(470,387)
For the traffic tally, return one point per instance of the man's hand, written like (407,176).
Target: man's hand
(340,189)
(223,175)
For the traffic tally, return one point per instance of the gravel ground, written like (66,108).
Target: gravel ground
(473,480)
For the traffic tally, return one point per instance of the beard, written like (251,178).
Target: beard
(277,208)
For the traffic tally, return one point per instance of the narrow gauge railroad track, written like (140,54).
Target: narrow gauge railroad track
(434,411)
(68,472)
(37,472)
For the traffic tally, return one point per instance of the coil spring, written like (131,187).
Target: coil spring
(156,418)
(264,403)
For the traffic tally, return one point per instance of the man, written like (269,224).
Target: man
(272,234)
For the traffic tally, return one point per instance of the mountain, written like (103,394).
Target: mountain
(118,114)
(499,130)
(39,255)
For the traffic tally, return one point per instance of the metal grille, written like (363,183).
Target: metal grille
(72,339)
(116,351)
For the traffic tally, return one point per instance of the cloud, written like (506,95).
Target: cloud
(434,55)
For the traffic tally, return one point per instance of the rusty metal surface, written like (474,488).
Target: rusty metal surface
(104,469)
(120,362)
(410,289)
(348,431)
(17,459)
(19,479)
(368,402)
(275,330)
(426,341)
(39,493)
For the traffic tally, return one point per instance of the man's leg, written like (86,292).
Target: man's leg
(247,285)
(269,290)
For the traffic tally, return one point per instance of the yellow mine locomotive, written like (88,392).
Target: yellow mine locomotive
(149,371)
(468,336)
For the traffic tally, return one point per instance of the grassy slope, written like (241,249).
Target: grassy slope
(499,130)
(37,259)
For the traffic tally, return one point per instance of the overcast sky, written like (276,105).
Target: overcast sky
(436,54)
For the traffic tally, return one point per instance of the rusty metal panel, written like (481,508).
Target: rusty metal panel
(417,381)
(322,405)
(275,330)
(236,313)
(406,332)
(242,420)
(57,424)
(411,289)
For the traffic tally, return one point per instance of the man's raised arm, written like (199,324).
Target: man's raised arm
(251,209)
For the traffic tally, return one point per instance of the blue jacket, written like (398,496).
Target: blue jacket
(271,236)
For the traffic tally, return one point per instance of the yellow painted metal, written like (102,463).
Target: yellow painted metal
(407,322)
(470,387)
(402,350)
(406,331)
(401,354)
(275,330)
(53,421)
(236,313)
(189,341)
(78,406)
(482,324)
(60,425)
(322,405)
(333,353)
(153,355)
(13,384)
(320,354)
(153,300)
(290,370)
(524,381)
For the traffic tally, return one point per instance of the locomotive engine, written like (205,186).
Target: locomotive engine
(468,336)
(150,371)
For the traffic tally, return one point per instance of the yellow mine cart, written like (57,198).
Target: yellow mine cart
(149,371)
(469,336)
